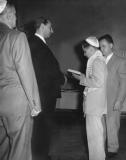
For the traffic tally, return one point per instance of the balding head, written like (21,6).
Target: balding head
(8,16)
(3,4)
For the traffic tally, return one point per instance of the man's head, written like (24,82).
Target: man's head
(106,44)
(8,16)
(89,46)
(43,27)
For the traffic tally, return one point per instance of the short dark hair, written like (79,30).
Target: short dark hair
(85,44)
(107,37)
(39,21)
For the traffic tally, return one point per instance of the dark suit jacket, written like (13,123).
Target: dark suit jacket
(47,69)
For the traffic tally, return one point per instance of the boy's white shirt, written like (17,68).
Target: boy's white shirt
(108,58)
(87,82)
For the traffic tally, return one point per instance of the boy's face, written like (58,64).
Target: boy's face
(87,51)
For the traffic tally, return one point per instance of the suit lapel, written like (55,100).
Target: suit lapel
(39,40)
(110,63)
(44,45)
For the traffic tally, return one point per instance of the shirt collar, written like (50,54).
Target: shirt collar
(97,53)
(108,58)
(42,38)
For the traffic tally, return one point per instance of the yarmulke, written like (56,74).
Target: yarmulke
(93,41)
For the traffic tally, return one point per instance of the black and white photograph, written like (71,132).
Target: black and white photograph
(62,80)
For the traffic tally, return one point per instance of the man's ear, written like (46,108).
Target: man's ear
(42,25)
(8,16)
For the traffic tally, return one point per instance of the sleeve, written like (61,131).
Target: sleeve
(24,67)
(55,72)
(122,81)
(60,78)
(97,78)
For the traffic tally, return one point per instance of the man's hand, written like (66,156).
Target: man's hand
(76,76)
(82,79)
(35,112)
(117,106)
(79,77)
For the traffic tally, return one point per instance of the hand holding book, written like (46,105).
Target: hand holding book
(76,74)
(74,71)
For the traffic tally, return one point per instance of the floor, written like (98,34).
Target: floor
(62,136)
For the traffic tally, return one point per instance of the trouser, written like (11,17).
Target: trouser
(15,137)
(49,104)
(95,137)
(43,127)
(113,125)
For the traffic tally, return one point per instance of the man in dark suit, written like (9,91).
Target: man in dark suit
(116,92)
(47,69)
(49,78)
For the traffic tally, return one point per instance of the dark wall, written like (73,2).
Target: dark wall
(74,20)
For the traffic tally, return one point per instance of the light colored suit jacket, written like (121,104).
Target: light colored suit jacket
(18,87)
(95,82)
(116,81)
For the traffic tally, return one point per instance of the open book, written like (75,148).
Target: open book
(74,71)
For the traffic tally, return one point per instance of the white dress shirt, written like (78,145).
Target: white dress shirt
(41,37)
(108,58)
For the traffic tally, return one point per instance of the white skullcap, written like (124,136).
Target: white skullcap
(2,5)
(93,41)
